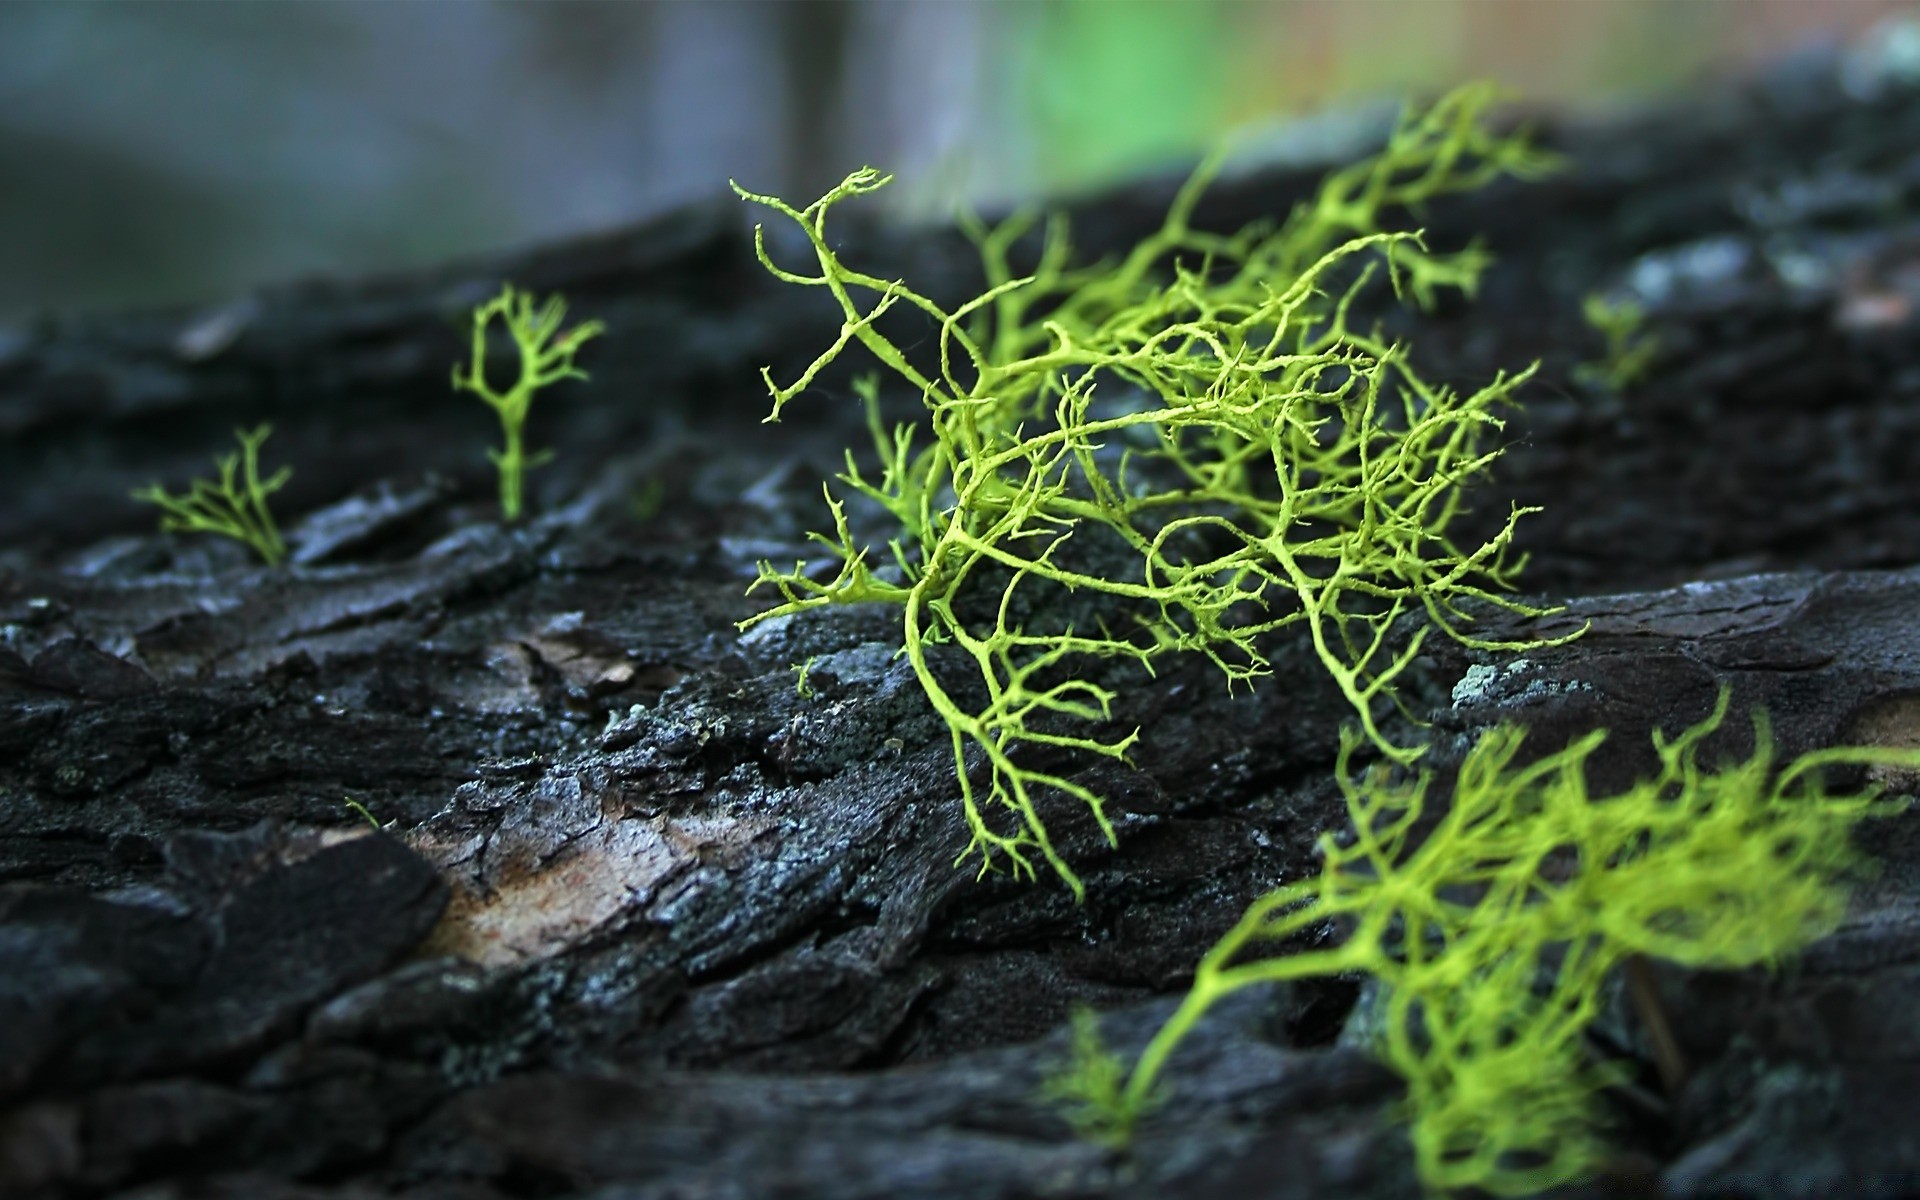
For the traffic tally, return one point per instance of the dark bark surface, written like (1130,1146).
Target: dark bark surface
(643,922)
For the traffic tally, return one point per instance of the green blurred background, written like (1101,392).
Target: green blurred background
(163,152)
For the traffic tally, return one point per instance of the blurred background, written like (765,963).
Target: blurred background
(164,152)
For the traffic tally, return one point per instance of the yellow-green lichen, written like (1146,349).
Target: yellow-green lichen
(1208,405)
(1490,933)
(545,358)
(1630,351)
(235,506)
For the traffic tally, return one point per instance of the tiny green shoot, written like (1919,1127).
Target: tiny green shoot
(235,506)
(1629,350)
(648,500)
(360,808)
(1090,1091)
(546,358)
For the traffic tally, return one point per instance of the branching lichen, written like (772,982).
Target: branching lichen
(1630,350)
(1263,461)
(1491,937)
(1090,1090)
(235,506)
(546,358)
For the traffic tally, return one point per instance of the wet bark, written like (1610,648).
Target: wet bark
(641,920)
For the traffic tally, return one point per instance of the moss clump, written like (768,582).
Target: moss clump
(1491,937)
(1207,404)
(235,506)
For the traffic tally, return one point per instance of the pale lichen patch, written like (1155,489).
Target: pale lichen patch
(1501,684)
(1474,683)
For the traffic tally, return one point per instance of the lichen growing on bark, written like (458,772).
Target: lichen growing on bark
(1208,409)
(1492,926)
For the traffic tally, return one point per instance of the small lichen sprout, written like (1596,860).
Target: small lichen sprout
(1209,414)
(235,506)
(546,358)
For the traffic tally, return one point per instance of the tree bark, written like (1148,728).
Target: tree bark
(641,920)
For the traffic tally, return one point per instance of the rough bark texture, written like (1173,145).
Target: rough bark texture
(643,922)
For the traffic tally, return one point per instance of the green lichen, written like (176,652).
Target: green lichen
(648,501)
(1090,1091)
(362,809)
(1208,409)
(545,358)
(235,506)
(1630,351)
(1491,935)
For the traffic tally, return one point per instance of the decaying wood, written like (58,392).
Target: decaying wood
(642,921)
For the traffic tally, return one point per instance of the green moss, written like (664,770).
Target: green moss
(235,506)
(1492,934)
(546,358)
(1208,405)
